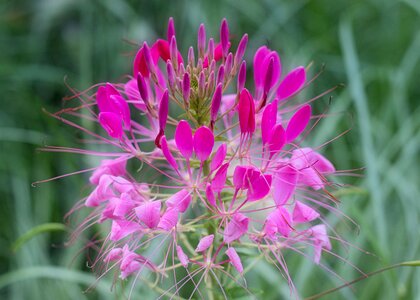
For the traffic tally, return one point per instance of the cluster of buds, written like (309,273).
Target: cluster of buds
(221,165)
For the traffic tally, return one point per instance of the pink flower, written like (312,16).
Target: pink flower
(188,164)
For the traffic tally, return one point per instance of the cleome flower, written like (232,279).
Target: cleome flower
(203,169)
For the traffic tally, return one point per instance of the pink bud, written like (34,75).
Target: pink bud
(215,103)
(268,77)
(303,213)
(171,29)
(201,40)
(210,84)
(191,58)
(241,77)
(173,50)
(292,83)
(180,200)
(111,122)
(246,109)
(224,36)
(228,64)
(141,84)
(201,84)
(183,258)
(235,260)
(220,74)
(184,139)
(148,58)
(149,213)
(210,52)
(298,122)
(268,121)
(163,110)
(241,50)
(204,243)
(203,143)
(186,88)
(171,75)
(218,158)
(167,153)
(236,228)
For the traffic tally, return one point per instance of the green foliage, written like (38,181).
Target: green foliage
(369,46)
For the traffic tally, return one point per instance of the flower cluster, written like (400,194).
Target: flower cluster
(221,167)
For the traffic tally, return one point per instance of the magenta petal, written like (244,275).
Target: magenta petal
(112,123)
(307,157)
(298,122)
(120,107)
(259,73)
(215,102)
(203,143)
(169,219)
(277,139)
(139,64)
(210,195)
(235,260)
(283,221)
(268,121)
(180,200)
(122,228)
(184,139)
(167,153)
(284,184)
(114,167)
(204,243)
(236,228)
(183,258)
(260,186)
(102,100)
(149,213)
(303,213)
(292,83)
(219,180)
(218,158)
(101,193)
(239,177)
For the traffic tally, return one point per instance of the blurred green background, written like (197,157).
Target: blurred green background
(371,46)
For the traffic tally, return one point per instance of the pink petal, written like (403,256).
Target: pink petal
(218,158)
(215,102)
(204,243)
(122,228)
(303,213)
(183,258)
(163,110)
(292,83)
(268,121)
(149,213)
(219,180)
(167,153)
(236,228)
(305,157)
(284,184)
(124,205)
(260,186)
(259,73)
(298,122)
(115,167)
(210,195)
(139,64)
(112,123)
(102,99)
(203,143)
(180,200)
(169,219)
(275,71)
(101,193)
(114,254)
(277,139)
(235,260)
(239,180)
(120,107)
(320,241)
(278,221)
(184,139)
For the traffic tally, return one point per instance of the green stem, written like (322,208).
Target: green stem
(414,263)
